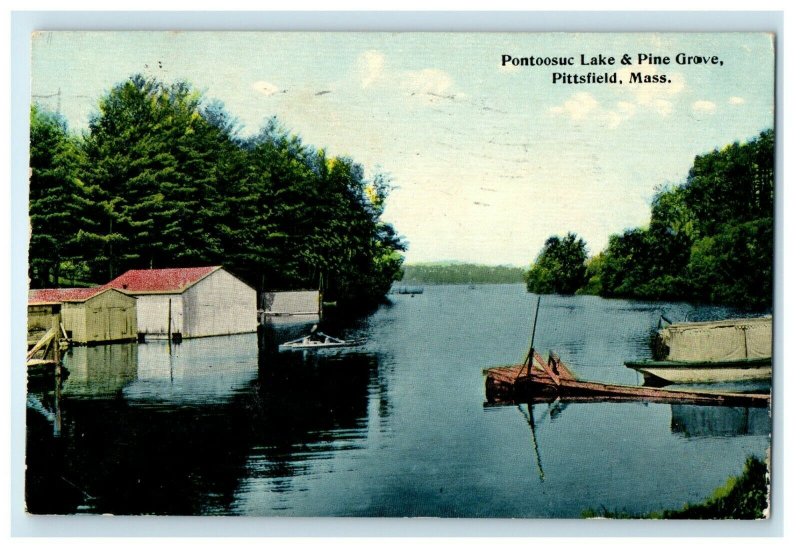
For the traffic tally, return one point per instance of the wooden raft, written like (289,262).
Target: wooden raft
(538,380)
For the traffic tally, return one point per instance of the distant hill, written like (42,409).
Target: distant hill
(461,273)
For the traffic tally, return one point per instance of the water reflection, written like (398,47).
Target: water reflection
(159,430)
(309,407)
(695,421)
(207,371)
(100,371)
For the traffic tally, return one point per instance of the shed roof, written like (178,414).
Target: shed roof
(160,280)
(61,295)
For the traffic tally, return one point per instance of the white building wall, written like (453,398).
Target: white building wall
(152,312)
(301,303)
(219,304)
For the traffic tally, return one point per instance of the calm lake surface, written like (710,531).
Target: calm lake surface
(397,427)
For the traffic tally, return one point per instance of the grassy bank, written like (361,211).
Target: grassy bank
(742,497)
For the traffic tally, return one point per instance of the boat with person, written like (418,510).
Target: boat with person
(708,352)
(317,340)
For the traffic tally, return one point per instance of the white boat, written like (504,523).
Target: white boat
(668,372)
(718,351)
(318,341)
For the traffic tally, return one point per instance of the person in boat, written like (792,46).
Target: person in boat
(315,335)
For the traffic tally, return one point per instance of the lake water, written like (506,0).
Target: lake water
(397,427)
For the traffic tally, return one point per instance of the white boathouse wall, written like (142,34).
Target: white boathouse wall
(152,312)
(219,304)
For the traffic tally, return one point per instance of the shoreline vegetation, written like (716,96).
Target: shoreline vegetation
(163,178)
(709,239)
(457,273)
(742,497)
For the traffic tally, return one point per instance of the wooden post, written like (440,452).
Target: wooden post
(58,379)
(319,297)
(533,335)
(169,324)
(744,332)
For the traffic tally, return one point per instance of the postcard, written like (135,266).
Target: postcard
(373,274)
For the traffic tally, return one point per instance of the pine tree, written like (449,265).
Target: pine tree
(57,198)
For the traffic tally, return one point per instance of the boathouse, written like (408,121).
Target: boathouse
(90,315)
(303,305)
(189,302)
(42,317)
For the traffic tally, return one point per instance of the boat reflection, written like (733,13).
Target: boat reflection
(687,421)
(693,421)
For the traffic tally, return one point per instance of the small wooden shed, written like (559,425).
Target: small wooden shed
(189,302)
(91,315)
(42,317)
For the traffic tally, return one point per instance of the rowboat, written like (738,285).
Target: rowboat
(318,341)
(709,352)
(671,371)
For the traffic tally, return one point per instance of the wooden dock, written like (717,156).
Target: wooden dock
(539,380)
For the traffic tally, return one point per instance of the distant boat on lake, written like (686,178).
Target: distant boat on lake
(407,290)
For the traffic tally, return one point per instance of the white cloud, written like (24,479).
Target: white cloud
(265,87)
(371,67)
(704,106)
(612,119)
(662,106)
(657,97)
(583,106)
(626,109)
(430,85)
(736,100)
(635,98)
(577,107)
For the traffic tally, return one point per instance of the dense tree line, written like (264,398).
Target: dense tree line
(163,179)
(709,239)
(461,273)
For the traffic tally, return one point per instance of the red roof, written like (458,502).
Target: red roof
(75,294)
(161,280)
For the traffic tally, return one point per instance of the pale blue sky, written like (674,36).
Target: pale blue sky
(488,161)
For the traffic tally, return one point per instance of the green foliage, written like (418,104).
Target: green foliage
(152,155)
(734,265)
(742,497)
(57,197)
(461,273)
(162,179)
(560,266)
(709,239)
(594,269)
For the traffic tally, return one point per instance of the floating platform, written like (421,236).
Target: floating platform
(538,380)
